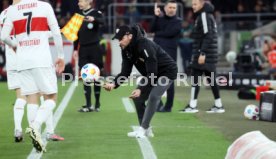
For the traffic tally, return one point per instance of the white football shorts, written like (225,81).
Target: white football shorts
(38,80)
(13,79)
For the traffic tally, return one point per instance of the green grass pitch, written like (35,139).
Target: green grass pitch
(103,135)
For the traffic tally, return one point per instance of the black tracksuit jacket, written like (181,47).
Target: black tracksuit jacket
(205,39)
(86,34)
(148,57)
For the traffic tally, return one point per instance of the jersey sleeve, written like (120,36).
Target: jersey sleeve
(6,30)
(53,25)
(1,21)
(51,18)
(1,18)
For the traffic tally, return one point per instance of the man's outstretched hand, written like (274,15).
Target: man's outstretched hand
(157,11)
(136,93)
(109,86)
(60,65)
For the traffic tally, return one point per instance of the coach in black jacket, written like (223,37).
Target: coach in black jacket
(204,56)
(167,28)
(157,68)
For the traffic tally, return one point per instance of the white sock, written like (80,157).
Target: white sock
(31,112)
(193,103)
(43,113)
(41,100)
(218,102)
(49,121)
(18,112)
(50,124)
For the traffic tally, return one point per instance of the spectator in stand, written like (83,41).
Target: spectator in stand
(266,48)
(69,7)
(186,43)
(274,5)
(242,24)
(132,13)
(261,6)
(102,5)
(271,57)
(5,4)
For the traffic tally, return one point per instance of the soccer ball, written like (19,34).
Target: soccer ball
(231,57)
(251,112)
(90,73)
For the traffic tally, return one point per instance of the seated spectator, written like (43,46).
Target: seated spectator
(271,57)
(268,46)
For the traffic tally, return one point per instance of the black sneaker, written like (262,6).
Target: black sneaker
(188,109)
(85,109)
(97,110)
(164,110)
(18,136)
(97,105)
(216,109)
(36,139)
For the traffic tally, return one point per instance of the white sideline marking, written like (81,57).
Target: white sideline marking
(145,146)
(58,113)
(128,106)
(144,143)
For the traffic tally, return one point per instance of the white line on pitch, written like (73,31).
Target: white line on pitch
(58,113)
(128,106)
(145,146)
(144,143)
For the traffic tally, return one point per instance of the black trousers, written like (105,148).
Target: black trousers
(91,54)
(211,79)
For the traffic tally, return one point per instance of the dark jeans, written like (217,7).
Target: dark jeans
(196,73)
(153,96)
(170,91)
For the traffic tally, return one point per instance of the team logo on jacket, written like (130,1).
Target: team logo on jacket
(90,25)
(141,59)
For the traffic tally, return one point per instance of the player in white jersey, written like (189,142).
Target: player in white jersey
(14,84)
(31,20)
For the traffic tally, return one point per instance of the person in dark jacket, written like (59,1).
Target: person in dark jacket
(157,68)
(205,55)
(167,30)
(87,49)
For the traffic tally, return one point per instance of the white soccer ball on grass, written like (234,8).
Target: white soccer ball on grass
(90,72)
(251,112)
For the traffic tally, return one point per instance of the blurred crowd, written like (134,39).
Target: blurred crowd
(65,8)
(245,6)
